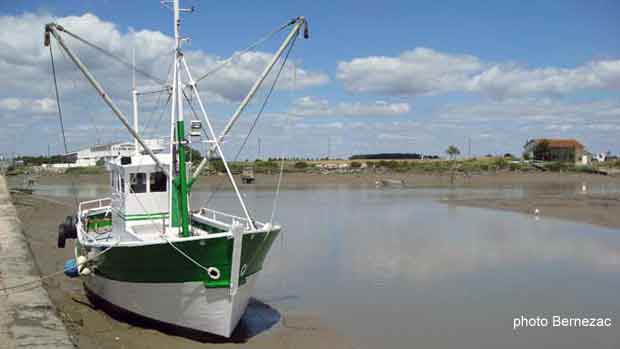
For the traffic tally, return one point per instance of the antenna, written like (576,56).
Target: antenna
(134,95)
(133,66)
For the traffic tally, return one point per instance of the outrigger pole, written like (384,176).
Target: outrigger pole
(299,23)
(53,29)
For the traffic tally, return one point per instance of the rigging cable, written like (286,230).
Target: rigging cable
(62,126)
(115,57)
(258,115)
(247,49)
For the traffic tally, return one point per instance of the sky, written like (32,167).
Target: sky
(394,76)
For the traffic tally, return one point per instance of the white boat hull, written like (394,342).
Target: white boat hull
(184,304)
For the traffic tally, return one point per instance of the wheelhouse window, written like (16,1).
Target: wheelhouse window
(158,182)
(138,182)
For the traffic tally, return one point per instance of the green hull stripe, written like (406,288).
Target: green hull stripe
(161,263)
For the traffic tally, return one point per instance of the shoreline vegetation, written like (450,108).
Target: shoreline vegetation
(454,167)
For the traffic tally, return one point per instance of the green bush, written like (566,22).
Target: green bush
(500,163)
(515,166)
(300,165)
(85,170)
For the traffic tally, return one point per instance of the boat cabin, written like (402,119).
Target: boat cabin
(139,192)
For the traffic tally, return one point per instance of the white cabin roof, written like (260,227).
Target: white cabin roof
(139,162)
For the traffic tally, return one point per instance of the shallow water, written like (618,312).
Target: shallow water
(395,268)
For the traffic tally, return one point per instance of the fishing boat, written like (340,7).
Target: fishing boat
(144,249)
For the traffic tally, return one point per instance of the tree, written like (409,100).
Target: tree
(452,152)
(541,150)
(194,155)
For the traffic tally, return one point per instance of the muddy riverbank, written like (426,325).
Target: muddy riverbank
(263,326)
(582,198)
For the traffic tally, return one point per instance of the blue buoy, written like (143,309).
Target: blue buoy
(71,269)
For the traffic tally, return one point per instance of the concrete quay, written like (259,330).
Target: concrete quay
(27,317)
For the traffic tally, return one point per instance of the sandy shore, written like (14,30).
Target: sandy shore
(261,327)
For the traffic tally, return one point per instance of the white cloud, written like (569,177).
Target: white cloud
(310,106)
(532,111)
(424,71)
(234,80)
(27,91)
(24,59)
(10,104)
(32,106)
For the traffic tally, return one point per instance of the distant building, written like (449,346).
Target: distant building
(554,150)
(600,157)
(106,152)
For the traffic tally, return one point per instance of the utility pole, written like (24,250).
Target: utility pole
(329,146)
(258,152)
(469,147)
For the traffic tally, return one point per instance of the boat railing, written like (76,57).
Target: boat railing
(227,218)
(92,204)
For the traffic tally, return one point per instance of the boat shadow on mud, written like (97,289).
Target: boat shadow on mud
(258,317)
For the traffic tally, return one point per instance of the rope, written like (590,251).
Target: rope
(155,224)
(60,119)
(185,255)
(277,194)
(45,277)
(258,115)
(247,49)
(62,126)
(114,57)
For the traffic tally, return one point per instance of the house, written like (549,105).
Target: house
(548,149)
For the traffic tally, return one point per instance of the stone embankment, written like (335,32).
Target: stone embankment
(27,317)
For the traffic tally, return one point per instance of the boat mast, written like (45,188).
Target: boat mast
(179,200)
(134,95)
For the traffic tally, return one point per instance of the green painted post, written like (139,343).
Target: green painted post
(182,181)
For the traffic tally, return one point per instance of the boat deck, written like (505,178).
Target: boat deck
(95,223)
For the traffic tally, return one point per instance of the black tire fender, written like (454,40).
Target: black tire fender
(61,236)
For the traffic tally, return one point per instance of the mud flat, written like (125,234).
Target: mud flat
(411,179)
(27,316)
(261,327)
(583,198)
(546,191)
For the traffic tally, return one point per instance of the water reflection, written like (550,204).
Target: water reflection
(396,267)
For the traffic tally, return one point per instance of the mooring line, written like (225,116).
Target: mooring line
(56,273)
